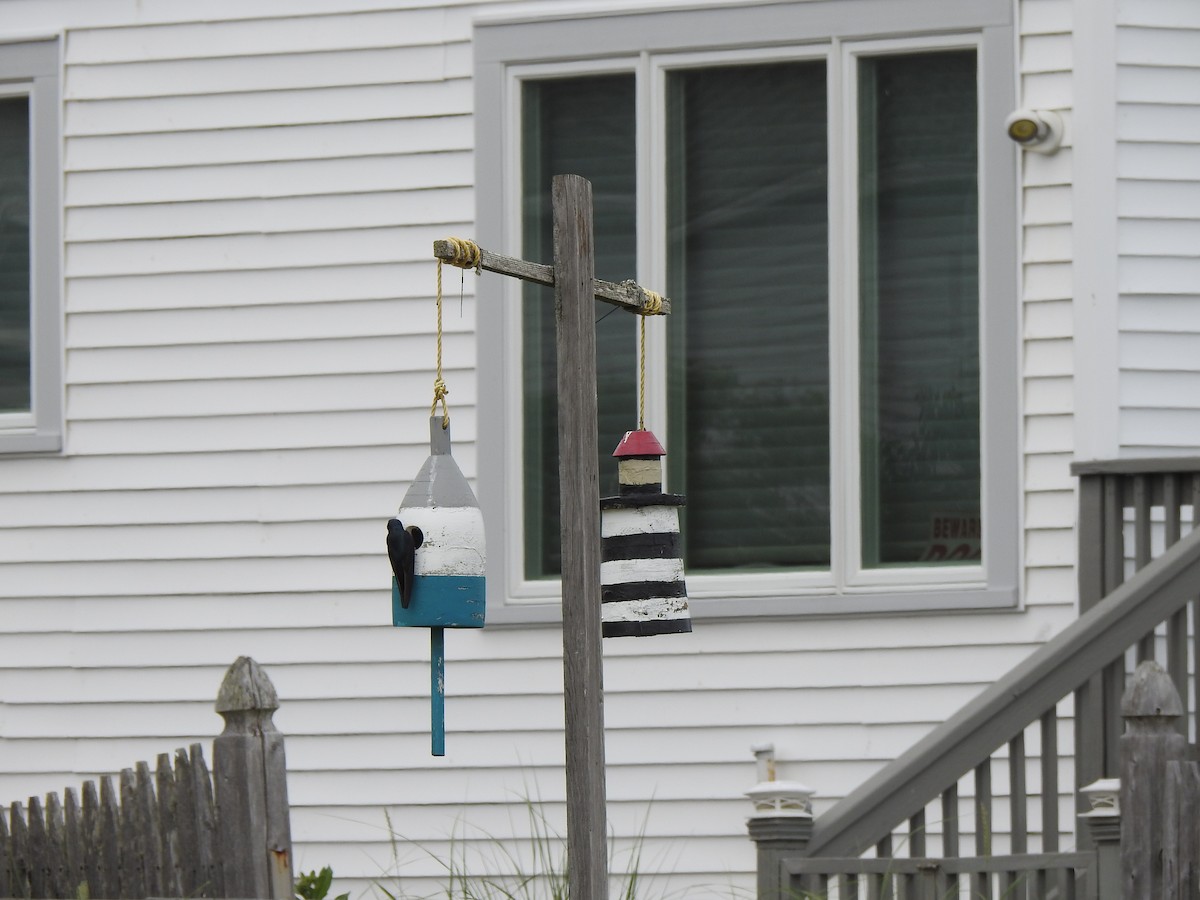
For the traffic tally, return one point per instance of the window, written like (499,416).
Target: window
(30,330)
(833,218)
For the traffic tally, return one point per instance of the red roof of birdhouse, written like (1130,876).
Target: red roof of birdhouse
(639,443)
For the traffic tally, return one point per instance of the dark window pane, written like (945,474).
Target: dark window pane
(575,126)
(14,255)
(919,308)
(748,438)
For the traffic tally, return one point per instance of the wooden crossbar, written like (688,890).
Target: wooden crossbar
(627,294)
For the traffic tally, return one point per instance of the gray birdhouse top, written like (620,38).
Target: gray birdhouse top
(440,482)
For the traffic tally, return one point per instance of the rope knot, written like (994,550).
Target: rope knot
(467,254)
(652,305)
(439,396)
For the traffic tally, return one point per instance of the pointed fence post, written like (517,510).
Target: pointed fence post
(250,776)
(1151,706)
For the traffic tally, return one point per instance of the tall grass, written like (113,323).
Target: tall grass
(481,866)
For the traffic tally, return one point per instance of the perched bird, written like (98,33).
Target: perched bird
(402,544)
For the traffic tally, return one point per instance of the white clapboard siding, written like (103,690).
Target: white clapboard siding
(1158,230)
(249,204)
(1046,325)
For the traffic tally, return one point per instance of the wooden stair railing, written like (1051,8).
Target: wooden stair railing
(1123,621)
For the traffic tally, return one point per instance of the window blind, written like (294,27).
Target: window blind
(748,436)
(581,126)
(15,386)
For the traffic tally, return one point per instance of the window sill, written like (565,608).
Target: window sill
(539,612)
(14,442)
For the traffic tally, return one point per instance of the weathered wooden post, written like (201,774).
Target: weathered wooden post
(1150,707)
(250,777)
(579,478)
(1181,832)
(573,278)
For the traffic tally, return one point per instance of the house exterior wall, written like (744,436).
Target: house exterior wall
(249,203)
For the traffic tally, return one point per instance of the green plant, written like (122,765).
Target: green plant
(315,885)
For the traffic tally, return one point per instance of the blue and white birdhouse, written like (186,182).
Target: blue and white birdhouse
(436,545)
(641,558)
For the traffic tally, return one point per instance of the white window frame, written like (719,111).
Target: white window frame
(651,44)
(31,68)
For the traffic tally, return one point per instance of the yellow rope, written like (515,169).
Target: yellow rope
(652,306)
(467,255)
(439,387)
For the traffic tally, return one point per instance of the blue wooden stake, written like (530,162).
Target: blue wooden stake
(437,689)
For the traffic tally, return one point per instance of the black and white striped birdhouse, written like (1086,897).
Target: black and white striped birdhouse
(641,558)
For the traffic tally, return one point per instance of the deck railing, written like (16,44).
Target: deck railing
(994,777)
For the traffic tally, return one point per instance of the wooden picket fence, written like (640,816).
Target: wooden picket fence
(154,836)
(176,831)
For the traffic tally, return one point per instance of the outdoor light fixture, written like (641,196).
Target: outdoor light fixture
(1039,130)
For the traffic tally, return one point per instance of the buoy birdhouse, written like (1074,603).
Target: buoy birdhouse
(641,559)
(436,547)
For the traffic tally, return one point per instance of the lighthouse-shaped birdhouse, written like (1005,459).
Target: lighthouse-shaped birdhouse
(436,547)
(641,559)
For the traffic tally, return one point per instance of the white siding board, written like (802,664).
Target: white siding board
(1048,434)
(1047,243)
(1177,428)
(1160,351)
(1048,319)
(1049,471)
(379,137)
(1156,200)
(262,359)
(260,72)
(1166,13)
(297,284)
(280,34)
(449,207)
(250,251)
(289,178)
(254,110)
(308,466)
(1159,84)
(1044,17)
(383,426)
(1158,162)
(1047,90)
(1046,53)
(1049,396)
(1166,123)
(291,503)
(1048,358)
(1158,238)
(267,396)
(1047,205)
(1170,46)
(280,322)
(1158,276)
(1146,390)
(1047,282)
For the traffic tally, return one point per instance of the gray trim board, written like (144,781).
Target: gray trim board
(38,62)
